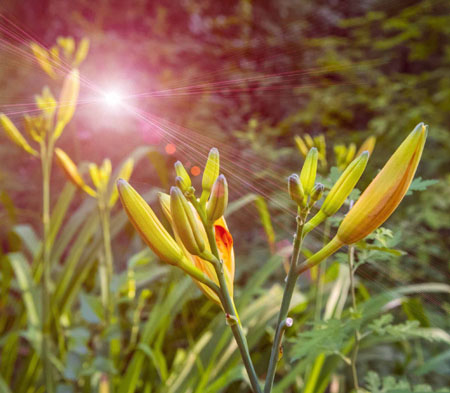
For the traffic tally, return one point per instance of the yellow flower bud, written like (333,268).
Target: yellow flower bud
(309,171)
(182,173)
(210,173)
(71,171)
(15,135)
(42,57)
(67,101)
(147,224)
(368,145)
(186,222)
(82,51)
(301,146)
(295,190)
(218,200)
(386,191)
(340,191)
(351,150)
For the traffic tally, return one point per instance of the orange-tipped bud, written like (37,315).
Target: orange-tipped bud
(71,171)
(386,191)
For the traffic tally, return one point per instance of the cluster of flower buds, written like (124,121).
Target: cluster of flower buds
(100,176)
(379,199)
(59,56)
(53,116)
(345,154)
(190,248)
(303,189)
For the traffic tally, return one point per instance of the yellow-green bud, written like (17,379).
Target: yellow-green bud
(210,173)
(340,191)
(186,222)
(309,171)
(316,193)
(295,190)
(182,173)
(218,201)
(147,224)
(181,184)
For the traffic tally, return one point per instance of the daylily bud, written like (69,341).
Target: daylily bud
(368,145)
(218,200)
(42,57)
(379,199)
(182,173)
(67,101)
(186,223)
(301,146)
(309,171)
(316,193)
(386,191)
(210,173)
(180,183)
(15,135)
(295,190)
(340,191)
(71,171)
(147,224)
(82,51)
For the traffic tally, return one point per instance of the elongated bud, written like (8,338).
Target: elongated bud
(182,173)
(295,190)
(180,183)
(210,173)
(71,171)
(42,56)
(340,191)
(186,223)
(385,192)
(67,101)
(301,146)
(15,135)
(218,201)
(147,224)
(316,193)
(309,171)
(82,51)
(368,145)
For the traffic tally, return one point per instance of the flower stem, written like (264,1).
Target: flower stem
(285,303)
(232,314)
(46,163)
(351,258)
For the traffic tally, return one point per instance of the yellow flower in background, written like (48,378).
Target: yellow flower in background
(368,145)
(380,198)
(67,101)
(304,144)
(14,134)
(60,55)
(224,242)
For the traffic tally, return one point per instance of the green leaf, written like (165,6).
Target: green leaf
(418,184)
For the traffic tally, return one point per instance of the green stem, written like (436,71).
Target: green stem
(107,260)
(230,309)
(46,162)
(351,258)
(285,303)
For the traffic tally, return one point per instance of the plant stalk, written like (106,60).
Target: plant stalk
(351,258)
(232,314)
(46,163)
(285,303)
